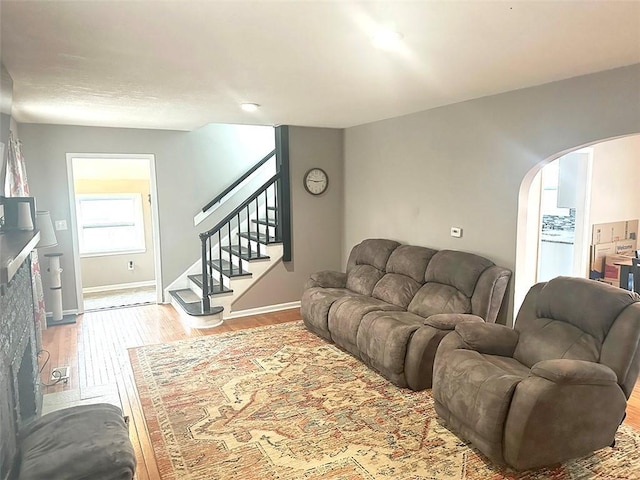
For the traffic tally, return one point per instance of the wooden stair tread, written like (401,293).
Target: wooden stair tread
(194,308)
(269,222)
(216,289)
(260,238)
(228,269)
(244,253)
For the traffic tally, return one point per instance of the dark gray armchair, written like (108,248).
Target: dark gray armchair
(553,388)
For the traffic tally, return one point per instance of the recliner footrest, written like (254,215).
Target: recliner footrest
(88,441)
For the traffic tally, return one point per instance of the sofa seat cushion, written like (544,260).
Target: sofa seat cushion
(77,443)
(315,305)
(382,340)
(477,390)
(345,316)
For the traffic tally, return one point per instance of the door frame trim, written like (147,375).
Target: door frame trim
(155,218)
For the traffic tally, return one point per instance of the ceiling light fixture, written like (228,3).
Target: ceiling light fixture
(386,39)
(249,107)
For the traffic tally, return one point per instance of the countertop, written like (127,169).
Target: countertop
(15,247)
(558,236)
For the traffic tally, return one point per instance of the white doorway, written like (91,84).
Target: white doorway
(565,184)
(538,258)
(611,195)
(115,232)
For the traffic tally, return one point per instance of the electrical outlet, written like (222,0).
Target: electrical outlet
(456,232)
(130,265)
(61,225)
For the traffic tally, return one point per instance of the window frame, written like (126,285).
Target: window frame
(138,223)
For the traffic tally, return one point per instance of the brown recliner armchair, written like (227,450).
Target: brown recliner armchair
(553,388)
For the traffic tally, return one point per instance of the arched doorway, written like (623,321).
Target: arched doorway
(612,195)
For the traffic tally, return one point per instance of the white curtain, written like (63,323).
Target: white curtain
(16,185)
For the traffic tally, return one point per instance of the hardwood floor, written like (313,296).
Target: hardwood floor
(95,349)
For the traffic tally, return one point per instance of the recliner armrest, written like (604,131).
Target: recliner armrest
(448,321)
(574,372)
(488,338)
(327,279)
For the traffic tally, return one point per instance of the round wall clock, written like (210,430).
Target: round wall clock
(316,181)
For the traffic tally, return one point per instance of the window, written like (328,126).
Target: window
(110,223)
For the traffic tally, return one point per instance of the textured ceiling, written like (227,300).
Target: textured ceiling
(183,64)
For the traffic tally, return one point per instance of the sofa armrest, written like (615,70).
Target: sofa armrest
(448,321)
(489,338)
(327,279)
(574,372)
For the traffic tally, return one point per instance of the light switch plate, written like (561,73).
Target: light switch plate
(61,225)
(456,232)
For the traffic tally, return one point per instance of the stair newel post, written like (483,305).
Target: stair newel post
(283,196)
(205,281)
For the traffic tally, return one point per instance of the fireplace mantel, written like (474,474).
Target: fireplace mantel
(15,246)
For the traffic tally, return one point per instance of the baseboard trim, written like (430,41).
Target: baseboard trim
(119,286)
(261,310)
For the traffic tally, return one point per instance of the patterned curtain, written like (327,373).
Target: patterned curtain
(16,185)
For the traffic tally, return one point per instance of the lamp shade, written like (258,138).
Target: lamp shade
(47,234)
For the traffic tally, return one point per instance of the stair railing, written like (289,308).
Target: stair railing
(235,184)
(239,220)
(274,195)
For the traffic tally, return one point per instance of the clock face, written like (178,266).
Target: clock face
(316,181)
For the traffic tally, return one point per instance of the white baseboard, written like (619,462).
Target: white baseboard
(119,286)
(261,310)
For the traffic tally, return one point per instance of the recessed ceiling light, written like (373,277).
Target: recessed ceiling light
(386,39)
(249,107)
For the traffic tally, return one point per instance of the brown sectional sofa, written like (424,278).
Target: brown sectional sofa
(395,303)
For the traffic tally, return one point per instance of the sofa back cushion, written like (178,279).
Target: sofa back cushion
(570,318)
(404,275)
(461,270)
(434,298)
(370,262)
(410,261)
(450,280)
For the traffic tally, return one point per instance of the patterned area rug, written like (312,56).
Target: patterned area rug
(280,403)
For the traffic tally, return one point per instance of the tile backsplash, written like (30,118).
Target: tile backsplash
(560,222)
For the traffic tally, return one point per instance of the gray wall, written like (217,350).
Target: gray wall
(316,221)
(411,178)
(615,192)
(191,167)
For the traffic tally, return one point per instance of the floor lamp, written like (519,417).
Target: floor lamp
(48,239)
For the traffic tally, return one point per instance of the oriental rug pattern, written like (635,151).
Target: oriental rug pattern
(280,403)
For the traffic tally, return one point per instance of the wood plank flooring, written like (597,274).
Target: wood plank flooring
(95,349)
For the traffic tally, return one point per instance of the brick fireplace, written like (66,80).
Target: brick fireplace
(20,394)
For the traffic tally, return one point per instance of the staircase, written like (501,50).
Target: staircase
(241,248)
